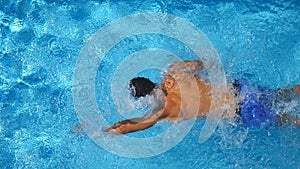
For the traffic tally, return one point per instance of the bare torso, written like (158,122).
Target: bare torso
(186,96)
(191,97)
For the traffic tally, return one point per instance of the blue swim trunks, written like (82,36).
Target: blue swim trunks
(257,105)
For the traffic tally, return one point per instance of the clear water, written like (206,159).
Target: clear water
(41,41)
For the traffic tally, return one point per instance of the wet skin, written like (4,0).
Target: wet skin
(188,96)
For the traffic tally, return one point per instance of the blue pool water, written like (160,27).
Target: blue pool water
(40,44)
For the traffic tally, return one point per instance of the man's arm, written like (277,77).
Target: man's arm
(192,66)
(149,119)
(171,109)
(136,124)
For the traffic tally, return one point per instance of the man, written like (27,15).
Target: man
(187,95)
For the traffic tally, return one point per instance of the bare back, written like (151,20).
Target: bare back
(191,97)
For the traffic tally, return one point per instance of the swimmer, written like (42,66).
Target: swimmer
(253,105)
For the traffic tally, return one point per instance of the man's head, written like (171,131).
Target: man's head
(140,86)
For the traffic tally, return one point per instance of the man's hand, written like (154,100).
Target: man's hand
(122,127)
(136,124)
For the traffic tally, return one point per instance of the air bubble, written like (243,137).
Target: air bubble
(17,25)
(65,6)
(53,44)
(5,20)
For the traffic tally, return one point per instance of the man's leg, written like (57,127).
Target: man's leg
(286,118)
(289,94)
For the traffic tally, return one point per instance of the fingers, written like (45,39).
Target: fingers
(118,128)
(115,131)
(116,125)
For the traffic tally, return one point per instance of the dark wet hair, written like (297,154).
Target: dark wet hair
(141,86)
